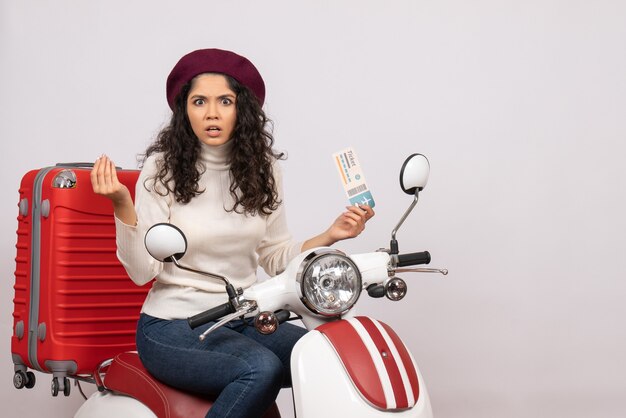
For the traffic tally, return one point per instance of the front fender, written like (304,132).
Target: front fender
(356,367)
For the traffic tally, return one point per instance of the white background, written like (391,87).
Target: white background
(519,105)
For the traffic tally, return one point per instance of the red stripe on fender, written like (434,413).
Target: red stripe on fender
(405,357)
(356,359)
(389,361)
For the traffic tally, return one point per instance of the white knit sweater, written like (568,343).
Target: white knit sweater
(221,242)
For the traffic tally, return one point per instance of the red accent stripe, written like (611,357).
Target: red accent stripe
(356,359)
(405,357)
(389,361)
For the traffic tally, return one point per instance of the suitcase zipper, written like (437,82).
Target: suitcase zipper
(35,270)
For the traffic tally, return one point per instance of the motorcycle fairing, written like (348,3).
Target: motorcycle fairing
(376,360)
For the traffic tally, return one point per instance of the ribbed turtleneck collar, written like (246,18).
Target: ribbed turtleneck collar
(216,157)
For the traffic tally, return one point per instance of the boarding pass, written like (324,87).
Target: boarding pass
(352,178)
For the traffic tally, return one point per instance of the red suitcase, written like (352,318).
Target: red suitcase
(74,305)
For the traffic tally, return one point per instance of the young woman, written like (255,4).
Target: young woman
(213,173)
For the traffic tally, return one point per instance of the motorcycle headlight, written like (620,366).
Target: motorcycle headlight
(329,283)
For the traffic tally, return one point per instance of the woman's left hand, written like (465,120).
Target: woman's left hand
(350,223)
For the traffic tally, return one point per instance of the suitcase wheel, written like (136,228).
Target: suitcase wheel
(31,380)
(67,387)
(23,379)
(56,386)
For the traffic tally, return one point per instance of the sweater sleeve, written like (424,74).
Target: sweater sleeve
(277,247)
(151,208)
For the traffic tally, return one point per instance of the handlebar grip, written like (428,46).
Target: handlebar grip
(413,259)
(210,315)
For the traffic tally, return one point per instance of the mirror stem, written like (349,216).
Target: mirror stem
(394,243)
(214,276)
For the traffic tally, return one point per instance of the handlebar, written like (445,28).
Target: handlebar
(210,315)
(412,259)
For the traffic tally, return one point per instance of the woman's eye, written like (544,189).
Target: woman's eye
(198,102)
(226,101)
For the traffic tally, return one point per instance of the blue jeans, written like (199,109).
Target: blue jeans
(245,369)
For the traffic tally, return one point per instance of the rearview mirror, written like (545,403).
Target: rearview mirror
(165,242)
(413,178)
(414,174)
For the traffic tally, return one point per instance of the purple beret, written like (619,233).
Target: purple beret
(214,61)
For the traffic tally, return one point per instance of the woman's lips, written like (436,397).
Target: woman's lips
(213,131)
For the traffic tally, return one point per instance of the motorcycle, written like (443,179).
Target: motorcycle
(367,370)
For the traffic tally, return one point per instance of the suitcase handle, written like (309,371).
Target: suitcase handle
(80,165)
(74,164)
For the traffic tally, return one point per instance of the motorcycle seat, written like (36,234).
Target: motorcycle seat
(127,375)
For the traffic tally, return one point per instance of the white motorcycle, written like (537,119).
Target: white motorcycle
(346,366)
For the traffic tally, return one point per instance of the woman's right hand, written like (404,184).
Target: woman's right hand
(105,183)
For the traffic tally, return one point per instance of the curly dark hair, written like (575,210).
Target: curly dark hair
(253,186)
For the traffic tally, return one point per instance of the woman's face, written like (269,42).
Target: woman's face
(211,109)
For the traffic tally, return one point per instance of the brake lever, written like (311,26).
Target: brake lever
(246,306)
(421,270)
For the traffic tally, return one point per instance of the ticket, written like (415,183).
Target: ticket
(352,178)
